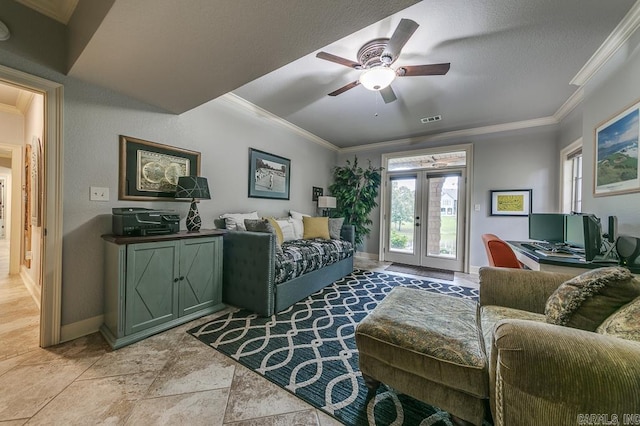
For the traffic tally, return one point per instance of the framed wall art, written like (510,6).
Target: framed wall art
(150,171)
(269,175)
(616,156)
(511,202)
(316,192)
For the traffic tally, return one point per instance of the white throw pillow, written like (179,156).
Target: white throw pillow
(286,226)
(298,228)
(297,215)
(235,221)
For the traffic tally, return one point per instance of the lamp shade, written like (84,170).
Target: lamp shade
(326,202)
(194,187)
(377,78)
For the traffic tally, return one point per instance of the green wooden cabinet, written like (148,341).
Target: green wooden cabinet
(155,283)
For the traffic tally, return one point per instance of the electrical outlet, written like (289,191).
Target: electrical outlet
(99,194)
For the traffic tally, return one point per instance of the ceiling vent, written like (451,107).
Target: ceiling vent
(431,119)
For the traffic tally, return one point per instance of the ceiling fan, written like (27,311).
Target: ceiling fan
(375,59)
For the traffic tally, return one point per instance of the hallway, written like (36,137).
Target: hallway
(19,314)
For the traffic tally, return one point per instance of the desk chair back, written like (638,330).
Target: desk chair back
(499,253)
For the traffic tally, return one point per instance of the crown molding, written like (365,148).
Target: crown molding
(10,109)
(60,10)
(465,133)
(255,109)
(569,105)
(24,101)
(616,39)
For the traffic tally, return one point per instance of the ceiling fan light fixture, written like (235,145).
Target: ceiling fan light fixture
(377,78)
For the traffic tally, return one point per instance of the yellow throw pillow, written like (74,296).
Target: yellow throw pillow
(316,227)
(276,226)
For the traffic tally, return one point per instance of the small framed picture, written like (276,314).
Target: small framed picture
(512,202)
(269,175)
(316,192)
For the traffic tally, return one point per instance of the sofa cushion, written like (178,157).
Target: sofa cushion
(299,257)
(316,227)
(585,301)
(286,226)
(335,226)
(262,225)
(623,323)
(235,221)
(277,229)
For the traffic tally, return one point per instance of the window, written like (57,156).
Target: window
(571,178)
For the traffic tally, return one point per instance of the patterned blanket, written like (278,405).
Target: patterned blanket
(301,256)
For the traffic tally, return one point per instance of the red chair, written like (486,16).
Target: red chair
(500,253)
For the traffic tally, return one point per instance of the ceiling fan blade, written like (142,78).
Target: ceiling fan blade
(338,60)
(388,95)
(400,36)
(344,88)
(413,70)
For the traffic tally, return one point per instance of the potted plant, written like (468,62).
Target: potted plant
(356,190)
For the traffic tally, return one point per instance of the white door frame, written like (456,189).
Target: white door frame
(468,148)
(51,271)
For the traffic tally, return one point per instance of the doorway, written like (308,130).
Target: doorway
(50,273)
(424,208)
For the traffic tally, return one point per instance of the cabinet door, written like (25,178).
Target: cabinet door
(200,274)
(152,290)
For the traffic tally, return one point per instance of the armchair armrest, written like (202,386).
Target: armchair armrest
(249,271)
(518,288)
(544,371)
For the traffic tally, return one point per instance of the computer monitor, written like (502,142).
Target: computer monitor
(592,237)
(574,230)
(546,227)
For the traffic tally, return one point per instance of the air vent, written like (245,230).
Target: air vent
(431,119)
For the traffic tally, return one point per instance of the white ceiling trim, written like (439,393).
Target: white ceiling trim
(60,10)
(465,133)
(24,100)
(616,39)
(574,100)
(243,103)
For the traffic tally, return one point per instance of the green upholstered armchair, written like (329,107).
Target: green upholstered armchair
(542,373)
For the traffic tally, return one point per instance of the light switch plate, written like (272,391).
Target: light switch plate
(477,207)
(99,194)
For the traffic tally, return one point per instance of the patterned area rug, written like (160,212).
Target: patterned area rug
(441,274)
(310,349)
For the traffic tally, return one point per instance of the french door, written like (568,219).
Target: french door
(425,218)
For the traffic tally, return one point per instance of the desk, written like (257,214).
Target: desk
(566,265)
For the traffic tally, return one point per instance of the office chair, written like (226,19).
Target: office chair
(499,252)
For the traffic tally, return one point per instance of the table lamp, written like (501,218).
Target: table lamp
(196,188)
(326,203)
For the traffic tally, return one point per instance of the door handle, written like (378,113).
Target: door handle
(417,224)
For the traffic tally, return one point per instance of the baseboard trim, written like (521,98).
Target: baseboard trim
(368,256)
(474,270)
(80,328)
(31,285)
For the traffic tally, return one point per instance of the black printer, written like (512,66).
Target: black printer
(137,221)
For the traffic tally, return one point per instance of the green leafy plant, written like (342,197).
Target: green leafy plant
(398,241)
(356,190)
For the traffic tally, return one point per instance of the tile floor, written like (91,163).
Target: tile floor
(170,378)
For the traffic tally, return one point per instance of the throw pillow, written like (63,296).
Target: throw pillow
(316,227)
(262,225)
(286,226)
(235,221)
(623,323)
(585,301)
(277,229)
(298,228)
(297,215)
(335,226)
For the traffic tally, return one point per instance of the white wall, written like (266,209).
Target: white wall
(221,131)
(524,159)
(615,87)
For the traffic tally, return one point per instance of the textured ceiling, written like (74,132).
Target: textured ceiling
(177,55)
(511,60)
